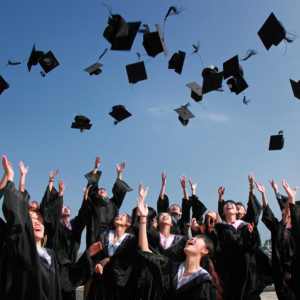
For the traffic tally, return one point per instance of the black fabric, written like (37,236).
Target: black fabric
(180,228)
(282,200)
(235,261)
(102,213)
(60,238)
(284,256)
(23,275)
(164,272)
(118,280)
(198,209)
(2,226)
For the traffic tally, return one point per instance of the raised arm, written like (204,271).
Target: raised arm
(193,187)
(3,181)
(198,208)
(51,179)
(164,180)
(183,185)
(251,182)
(97,162)
(120,169)
(221,192)
(23,175)
(94,177)
(261,189)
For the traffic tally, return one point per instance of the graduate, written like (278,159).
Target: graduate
(284,257)
(193,279)
(235,241)
(115,265)
(180,216)
(2,222)
(27,270)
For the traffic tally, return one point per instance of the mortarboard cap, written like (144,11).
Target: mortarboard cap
(196,92)
(119,113)
(94,69)
(119,33)
(276,141)
(154,42)
(272,32)
(184,114)
(232,68)
(136,72)
(296,88)
(212,80)
(176,62)
(3,85)
(34,58)
(237,84)
(48,62)
(82,123)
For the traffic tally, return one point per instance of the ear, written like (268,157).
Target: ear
(204,251)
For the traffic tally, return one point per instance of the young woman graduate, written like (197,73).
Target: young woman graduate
(180,216)
(284,257)
(115,264)
(27,270)
(235,241)
(193,279)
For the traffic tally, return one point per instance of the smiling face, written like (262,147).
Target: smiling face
(65,212)
(102,193)
(165,218)
(230,209)
(38,229)
(34,206)
(122,220)
(196,247)
(241,211)
(175,210)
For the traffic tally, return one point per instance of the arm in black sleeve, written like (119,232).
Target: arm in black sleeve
(269,219)
(163,205)
(295,216)
(254,209)
(1,192)
(282,200)
(93,180)
(119,191)
(82,218)
(185,217)
(220,210)
(198,209)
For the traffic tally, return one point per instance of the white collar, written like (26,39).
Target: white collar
(166,242)
(112,248)
(44,254)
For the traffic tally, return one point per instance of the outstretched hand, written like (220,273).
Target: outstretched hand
(7,168)
(22,168)
(141,207)
(52,175)
(221,190)
(183,181)
(250,227)
(211,227)
(121,167)
(163,178)
(97,162)
(98,269)
(291,193)
(95,248)
(251,179)
(193,186)
(86,192)
(61,186)
(274,185)
(194,225)
(260,187)
(142,192)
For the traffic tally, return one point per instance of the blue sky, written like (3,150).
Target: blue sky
(225,141)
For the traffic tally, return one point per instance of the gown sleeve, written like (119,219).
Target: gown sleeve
(119,191)
(93,180)
(269,219)
(220,210)
(1,192)
(198,209)
(282,200)
(81,219)
(254,209)
(207,291)
(163,204)
(185,217)
(295,216)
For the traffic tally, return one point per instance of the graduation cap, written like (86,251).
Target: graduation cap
(237,84)
(136,72)
(273,32)
(119,33)
(34,58)
(48,62)
(212,80)
(94,69)
(296,88)
(196,91)
(176,62)
(82,123)
(119,113)
(184,114)
(276,141)
(3,85)
(154,42)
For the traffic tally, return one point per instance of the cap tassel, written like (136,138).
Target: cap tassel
(249,53)
(109,8)
(197,47)
(15,63)
(43,74)
(146,30)
(173,11)
(102,54)
(44,241)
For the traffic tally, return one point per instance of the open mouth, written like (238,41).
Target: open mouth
(190,242)
(38,229)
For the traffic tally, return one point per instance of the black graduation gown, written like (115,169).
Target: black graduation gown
(23,274)
(235,261)
(179,228)
(165,273)
(118,280)
(282,200)
(102,213)
(284,257)
(60,238)
(198,209)
(2,226)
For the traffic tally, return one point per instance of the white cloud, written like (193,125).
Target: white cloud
(160,111)
(216,117)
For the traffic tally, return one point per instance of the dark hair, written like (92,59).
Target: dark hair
(208,265)
(129,219)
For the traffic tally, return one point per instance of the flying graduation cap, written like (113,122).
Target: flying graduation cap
(48,62)
(296,88)
(196,91)
(34,58)
(3,85)
(119,113)
(82,123)
(276,141)
(119,33)
(273,32)
(184,114)
(212,80)
(136,72)
(232,68)
(94,69)
(154,42)
(176,62)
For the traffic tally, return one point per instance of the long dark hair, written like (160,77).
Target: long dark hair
(208,265)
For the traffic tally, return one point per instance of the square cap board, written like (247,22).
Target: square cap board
(184,113)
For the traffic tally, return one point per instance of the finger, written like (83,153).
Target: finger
(189,225)
(296,188)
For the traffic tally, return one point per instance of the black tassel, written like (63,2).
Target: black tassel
(43,74)
(146,30)
(173,11)
(249,53)
(109,8)
(139,56)
(197,47)
(15,63)
(186,106)
(102,54)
